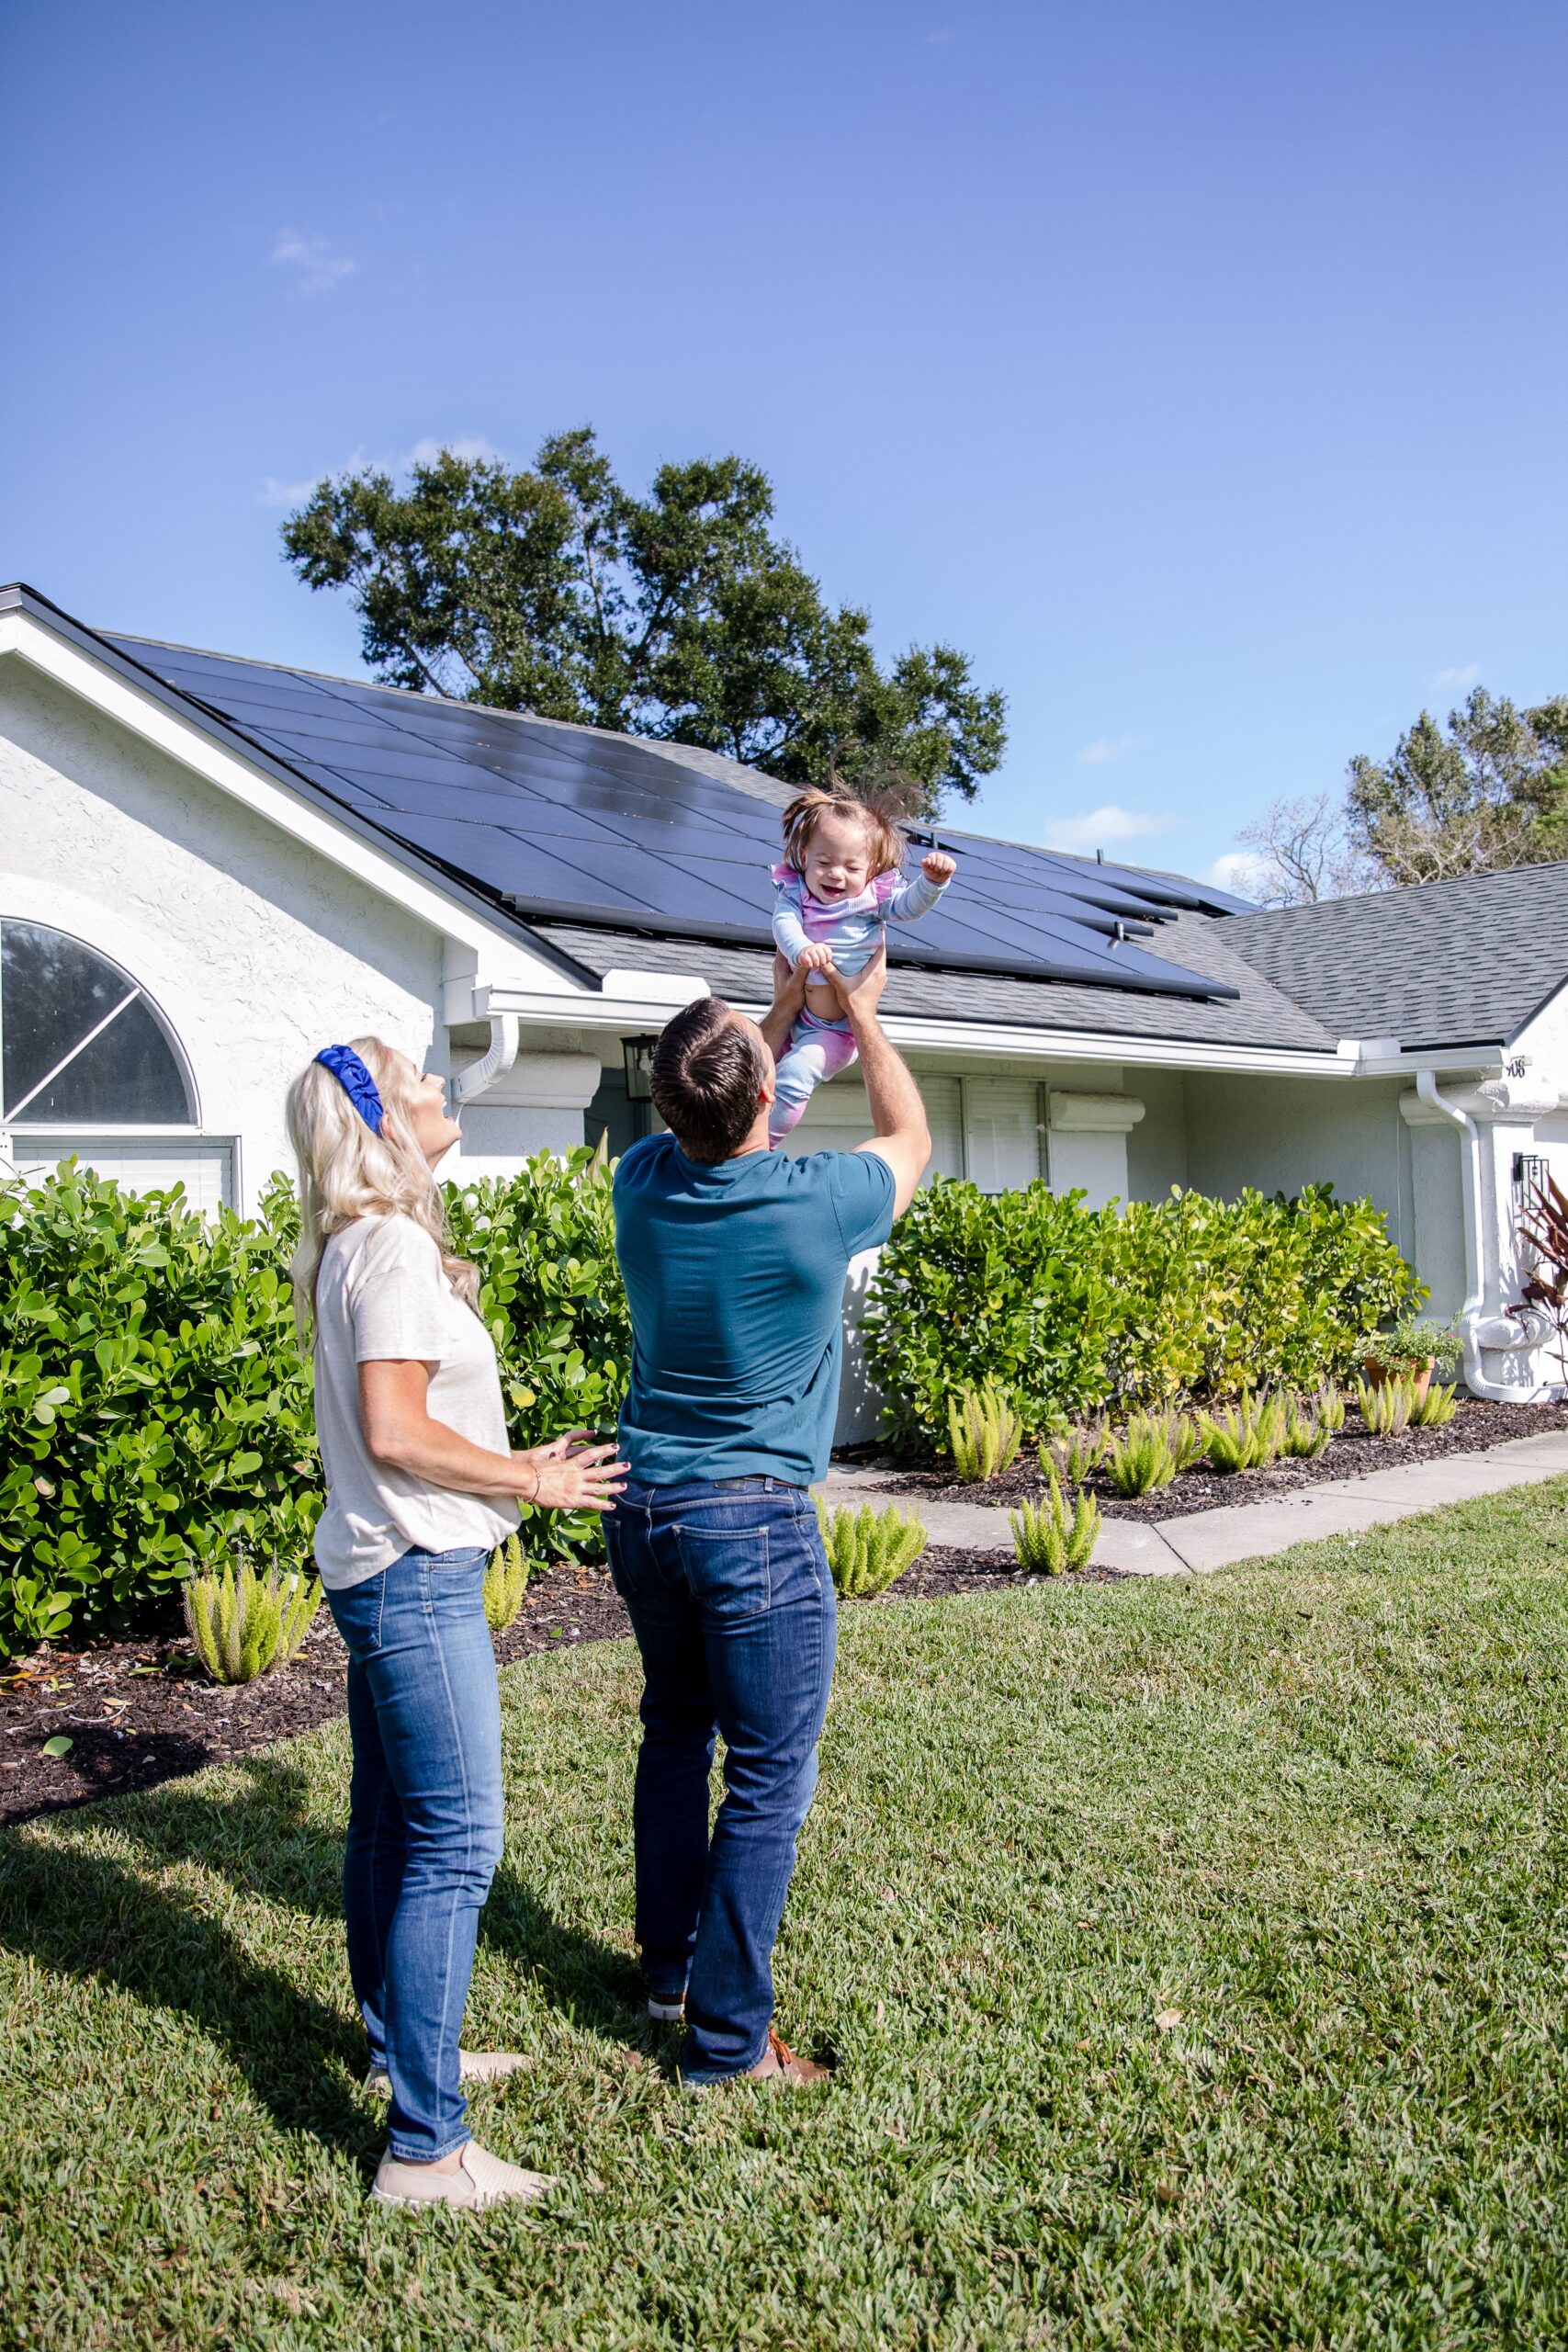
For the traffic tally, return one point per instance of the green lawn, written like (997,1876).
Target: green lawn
(1195,1955)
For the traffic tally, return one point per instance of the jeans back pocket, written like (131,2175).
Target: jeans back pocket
(727,1570)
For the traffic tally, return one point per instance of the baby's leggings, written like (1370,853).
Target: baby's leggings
(817,1050)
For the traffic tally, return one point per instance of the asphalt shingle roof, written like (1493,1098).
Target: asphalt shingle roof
(1258,1015)
(1460,963)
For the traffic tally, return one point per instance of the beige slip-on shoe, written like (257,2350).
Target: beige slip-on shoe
(473,2066)
(481,2179)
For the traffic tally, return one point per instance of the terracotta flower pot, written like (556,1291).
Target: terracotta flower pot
(1380,1373)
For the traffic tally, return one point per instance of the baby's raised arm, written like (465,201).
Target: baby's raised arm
(919,894)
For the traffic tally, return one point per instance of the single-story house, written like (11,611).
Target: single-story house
(210,866)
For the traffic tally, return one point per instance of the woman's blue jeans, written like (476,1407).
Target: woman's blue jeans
(732,1605)
(424,1827)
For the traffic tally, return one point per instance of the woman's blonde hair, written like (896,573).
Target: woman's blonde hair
(346,1171)
(805,813)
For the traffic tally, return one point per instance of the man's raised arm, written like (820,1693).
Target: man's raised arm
(898,1113)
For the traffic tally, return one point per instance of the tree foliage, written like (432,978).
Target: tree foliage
(681,616)
(1488,789)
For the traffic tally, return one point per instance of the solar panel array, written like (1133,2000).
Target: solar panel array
(572,824)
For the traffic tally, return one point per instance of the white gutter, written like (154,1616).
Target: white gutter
(1470,1320)
(629,1002)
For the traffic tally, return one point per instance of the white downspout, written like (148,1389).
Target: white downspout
(1475,1380)
(505,1033)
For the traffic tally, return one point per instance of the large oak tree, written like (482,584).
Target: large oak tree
(680,614)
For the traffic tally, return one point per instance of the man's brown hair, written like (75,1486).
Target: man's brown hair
(708,1075)
(807,810)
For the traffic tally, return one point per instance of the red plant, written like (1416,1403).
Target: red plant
(1542,1230)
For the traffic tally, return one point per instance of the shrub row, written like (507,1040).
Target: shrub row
(1061,1308)
(155,1414)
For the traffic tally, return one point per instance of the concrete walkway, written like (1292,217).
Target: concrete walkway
(1215,1539)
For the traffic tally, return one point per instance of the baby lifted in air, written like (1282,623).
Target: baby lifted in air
(839,885)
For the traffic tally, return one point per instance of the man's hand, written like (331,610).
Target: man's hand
(789,1002)
(937,866)
(861,992)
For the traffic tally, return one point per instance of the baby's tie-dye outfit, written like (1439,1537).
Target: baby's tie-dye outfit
(853,928)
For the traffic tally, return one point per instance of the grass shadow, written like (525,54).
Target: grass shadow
(87,1915)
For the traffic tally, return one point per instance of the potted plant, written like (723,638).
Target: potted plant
(1413,1348)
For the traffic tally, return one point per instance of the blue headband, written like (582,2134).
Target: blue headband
(356,1081)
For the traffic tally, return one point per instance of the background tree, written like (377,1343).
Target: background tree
(1301,852)
(1487,789)
(680,615)
(1490,789)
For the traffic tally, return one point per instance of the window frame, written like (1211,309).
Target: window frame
(137,991)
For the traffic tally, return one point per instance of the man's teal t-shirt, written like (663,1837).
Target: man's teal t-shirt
(735,1274)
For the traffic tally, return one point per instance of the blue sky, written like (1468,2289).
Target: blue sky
(1198,370)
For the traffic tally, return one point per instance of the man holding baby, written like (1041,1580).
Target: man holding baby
(735,1258)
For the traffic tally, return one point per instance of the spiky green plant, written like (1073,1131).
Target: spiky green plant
(1435,1409)
(1386,1405)
(1245,1435)
(984,1432)
(1328,1406)
(867,1549)
(1187,1440)
(1304,1436)
(506,1580)
(1049,1537)
(243,1624)
(1077,1450)
(1142,1458)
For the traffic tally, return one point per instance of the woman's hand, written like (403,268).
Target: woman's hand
(568,1475)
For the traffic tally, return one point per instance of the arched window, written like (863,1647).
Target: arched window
(79,1041)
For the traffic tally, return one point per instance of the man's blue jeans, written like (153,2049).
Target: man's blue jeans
(732,1605)
(425,1827)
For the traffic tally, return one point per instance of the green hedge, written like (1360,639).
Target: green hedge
(155,1413)
(153,1410)
(1066,1307)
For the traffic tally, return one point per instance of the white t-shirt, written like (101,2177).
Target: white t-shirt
(381,1294)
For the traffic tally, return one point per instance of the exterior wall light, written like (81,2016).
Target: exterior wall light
(639,1057)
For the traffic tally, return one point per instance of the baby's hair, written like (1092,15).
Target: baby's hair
(807,812)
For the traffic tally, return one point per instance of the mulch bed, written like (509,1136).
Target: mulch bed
(138,1713)
(1354,1454)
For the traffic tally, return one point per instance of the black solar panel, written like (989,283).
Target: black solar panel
(572,824)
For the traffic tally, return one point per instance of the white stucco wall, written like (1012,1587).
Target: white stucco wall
(254,948)
(1281,1132)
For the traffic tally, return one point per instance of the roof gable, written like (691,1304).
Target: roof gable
(1457,962)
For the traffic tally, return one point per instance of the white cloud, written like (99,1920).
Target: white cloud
(1465,676)
(275,491)
(1241,870)
(1106,748)
(1100,827)
(320,265)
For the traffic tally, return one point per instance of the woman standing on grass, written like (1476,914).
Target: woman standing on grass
(422,1484)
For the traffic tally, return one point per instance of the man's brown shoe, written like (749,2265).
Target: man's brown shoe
(778,2064)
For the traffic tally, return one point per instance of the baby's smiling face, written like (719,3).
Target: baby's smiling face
(837,864)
